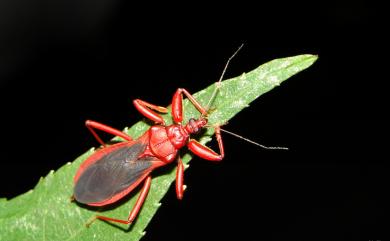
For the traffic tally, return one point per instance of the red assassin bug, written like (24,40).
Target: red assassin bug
(114,171)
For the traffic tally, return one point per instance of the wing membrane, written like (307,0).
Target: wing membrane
(112,174)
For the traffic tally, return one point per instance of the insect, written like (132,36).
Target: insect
(114,171)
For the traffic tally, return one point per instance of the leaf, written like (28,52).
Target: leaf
(46,212)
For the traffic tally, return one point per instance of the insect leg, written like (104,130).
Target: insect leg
(205,152)
(146,109)
(179,179)
(137,206)
(177,104)
(91,125)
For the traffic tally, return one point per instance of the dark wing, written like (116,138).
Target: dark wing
(112,174)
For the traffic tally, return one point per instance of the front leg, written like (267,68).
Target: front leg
(177,105)
(205,152)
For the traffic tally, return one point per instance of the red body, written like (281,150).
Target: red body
(161,142)
(114,171)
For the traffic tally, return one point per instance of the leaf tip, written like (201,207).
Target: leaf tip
(312,58)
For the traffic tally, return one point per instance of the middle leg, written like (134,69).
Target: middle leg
(146,109)
(179,179)
(91,125)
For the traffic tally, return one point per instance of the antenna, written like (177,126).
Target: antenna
(254,143)
(218,83)
(214,94)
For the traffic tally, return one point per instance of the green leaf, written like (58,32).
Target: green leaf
(46,212)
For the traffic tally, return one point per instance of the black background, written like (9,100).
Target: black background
(62,62)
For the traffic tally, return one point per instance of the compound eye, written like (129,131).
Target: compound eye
(193,125)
